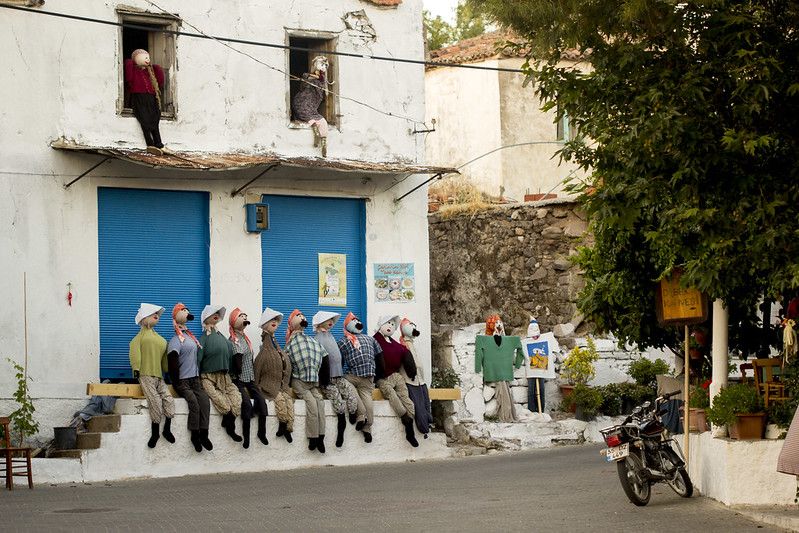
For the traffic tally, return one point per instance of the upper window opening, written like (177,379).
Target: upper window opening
(566,128)
(150,33)
(301,62)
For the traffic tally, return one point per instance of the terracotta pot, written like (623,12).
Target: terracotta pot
(748,426)
(700,337)
(695,353)
(698,420)
(565,392)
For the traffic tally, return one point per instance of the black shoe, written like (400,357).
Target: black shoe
(281,429)
(195,440)
(407,421)
(154,437)
(367,437)
(229,423)
(320,444)
(262,430)
(245,431)
(359,426)
(342,425)
(170,438)
(287,434)
(353,418)
(312,443)
(207,444)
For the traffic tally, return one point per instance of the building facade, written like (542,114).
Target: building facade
(478,111)
(161,229)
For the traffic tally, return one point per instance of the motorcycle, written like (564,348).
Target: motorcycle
(645,453)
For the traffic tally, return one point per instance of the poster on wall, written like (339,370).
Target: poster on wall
(539,355)
(395,282)
(333,280)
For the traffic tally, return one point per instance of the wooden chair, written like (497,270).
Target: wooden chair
(11,466)
(767,381)
(745,378)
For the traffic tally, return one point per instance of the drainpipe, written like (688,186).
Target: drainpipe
(720,353)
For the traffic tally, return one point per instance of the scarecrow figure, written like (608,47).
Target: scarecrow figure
(359,352)
(148,361)
(184,354)
(144,82)
(305,104)
(417,388)
(340,392)
(496,355)
(273,373)
(252,402)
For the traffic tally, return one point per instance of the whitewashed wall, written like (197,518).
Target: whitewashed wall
(63,82)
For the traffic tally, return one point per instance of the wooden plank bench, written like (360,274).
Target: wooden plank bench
(131,390)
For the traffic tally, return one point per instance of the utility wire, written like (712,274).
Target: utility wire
(265,44)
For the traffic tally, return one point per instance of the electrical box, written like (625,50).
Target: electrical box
(257,217)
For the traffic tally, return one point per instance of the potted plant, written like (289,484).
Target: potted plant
(578,367)
(586,401)
(697,403)
(738,407)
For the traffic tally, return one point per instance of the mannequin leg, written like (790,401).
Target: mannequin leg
(320,417)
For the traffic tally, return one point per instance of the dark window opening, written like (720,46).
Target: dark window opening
(300,63)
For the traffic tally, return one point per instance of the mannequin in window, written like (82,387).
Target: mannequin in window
(144,82)
(305,104)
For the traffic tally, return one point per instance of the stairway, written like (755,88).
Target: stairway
(92,439)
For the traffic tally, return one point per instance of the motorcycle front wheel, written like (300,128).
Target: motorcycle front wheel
(681,484)
(633,480)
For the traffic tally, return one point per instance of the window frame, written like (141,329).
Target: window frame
(565,130)
(332,105)
(169,65)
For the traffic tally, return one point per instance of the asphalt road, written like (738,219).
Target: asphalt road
(560,489)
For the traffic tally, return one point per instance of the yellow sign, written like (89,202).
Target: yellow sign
(680,305)
(333,280)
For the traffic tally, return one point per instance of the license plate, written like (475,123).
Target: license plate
(617,452)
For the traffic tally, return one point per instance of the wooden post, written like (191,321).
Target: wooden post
(25,323)
(538,395)
(686,410)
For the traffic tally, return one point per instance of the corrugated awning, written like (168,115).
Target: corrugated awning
(212,161)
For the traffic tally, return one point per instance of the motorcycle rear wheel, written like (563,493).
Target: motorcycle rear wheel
(633,480)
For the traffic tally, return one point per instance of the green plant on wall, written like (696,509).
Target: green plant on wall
(445,378)
(733,400)
(578,367)
(22,419)
(588,399)
(644,371)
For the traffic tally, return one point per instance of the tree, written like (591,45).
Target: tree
(469,22)
(437,30)
(688,121)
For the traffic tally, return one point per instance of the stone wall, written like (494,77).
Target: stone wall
(509,259)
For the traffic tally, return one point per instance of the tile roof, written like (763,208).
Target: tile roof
(385,3)
(487,46)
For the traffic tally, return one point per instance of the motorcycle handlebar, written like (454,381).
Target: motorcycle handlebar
(670,394)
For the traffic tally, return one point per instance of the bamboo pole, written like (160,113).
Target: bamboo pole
(538,394)
(25,323)
(686,410)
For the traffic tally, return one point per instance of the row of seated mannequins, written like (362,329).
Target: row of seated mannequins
(226,372)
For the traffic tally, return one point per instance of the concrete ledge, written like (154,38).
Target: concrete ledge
(125,390)
(125,455)
(739,472)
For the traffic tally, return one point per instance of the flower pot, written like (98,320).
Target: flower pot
(695,353)
(565,392)
(698,420)
(66,438)
(748,426)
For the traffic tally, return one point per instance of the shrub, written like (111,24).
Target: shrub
(589,399)
(644,371)
(22,419)
(699,398)
(444,378)
(611,399)
(578,367)
(732,400)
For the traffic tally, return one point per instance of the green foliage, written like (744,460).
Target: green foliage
(578,367)
(732,400)
(688,123)
(444,378)
(644,371)
(469,22)
(781,413)
(22,419)
(614,395)
(589,399)
(699,398)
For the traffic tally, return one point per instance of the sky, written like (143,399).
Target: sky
(443,8)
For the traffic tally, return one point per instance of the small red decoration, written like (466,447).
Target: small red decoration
(69,294)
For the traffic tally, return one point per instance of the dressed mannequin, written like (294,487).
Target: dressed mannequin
(148,361)
(215,370)
(342,395)
(144,82)
(273,373)
(305,104)
(184,354)
(307,361)
(496,355)
(389,380)
(358,352)
(417,388)
(252,402)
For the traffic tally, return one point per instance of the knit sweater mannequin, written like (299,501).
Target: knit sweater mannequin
(496,355)
(272,370)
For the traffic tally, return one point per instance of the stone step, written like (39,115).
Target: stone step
(89,441)
(104,424)
(66,454)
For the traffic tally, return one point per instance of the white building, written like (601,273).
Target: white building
(173,228)
(478,111)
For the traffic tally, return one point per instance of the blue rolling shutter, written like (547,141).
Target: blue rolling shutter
(153,247)
(299,229)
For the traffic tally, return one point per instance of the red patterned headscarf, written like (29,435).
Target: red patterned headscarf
(233,337)
(292,316)
(352,338)
(491,322)
(180,330)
